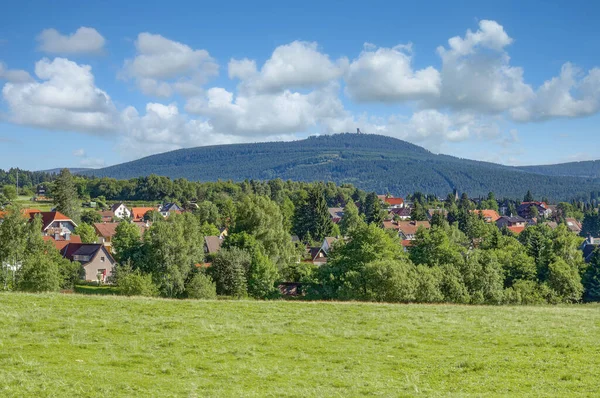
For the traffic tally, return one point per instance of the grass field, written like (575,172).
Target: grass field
(26,203)
(88,346)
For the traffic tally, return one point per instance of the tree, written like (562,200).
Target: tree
(533,212)
(229,269)
(344,274)
(591,279)
(201,286)
(91,217)
(528,197)
(565,281)
(391,280)
(207,212)
(65,195)
(171,249)
(312,216)
(10,192)
(372,209)
(126,243)
(351,219)
(418,213)
(86,232)
(39,274)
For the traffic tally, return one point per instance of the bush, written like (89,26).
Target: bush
(137,284)
(38,274)
(201,286)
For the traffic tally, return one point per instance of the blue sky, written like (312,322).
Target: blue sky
(88,85)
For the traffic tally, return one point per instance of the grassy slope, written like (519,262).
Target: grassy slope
(70,345)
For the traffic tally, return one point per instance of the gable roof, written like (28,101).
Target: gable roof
(406,227)
(84,249)
(114,207)
(61,243)
(401,212)
(109,229)
(213,244)
(48,217)
(394,201)
(487,214)
(573,224)
(516,229)
(137,213)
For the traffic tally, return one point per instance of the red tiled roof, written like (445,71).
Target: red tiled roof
(406,243)
(394,201)
(48,217)
(137,213)
(61,243)
(488,214)
(516,229)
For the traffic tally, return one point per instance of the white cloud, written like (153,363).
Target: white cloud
(79,153)
(14,75)
(162,66)
(84,40)
(295,65)
(267,113)
(571,94)
(93,163)
(476,72)
(387,75)
(66,98)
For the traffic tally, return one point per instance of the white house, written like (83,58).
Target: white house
(120,210)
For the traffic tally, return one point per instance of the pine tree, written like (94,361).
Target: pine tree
(528,197)
(372,209)
(65,196)
(312,216)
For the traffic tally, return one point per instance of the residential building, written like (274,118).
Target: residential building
(212,244)
(406,229)
(95,259)
(507,221)
(394,203)
(336,214)
(120,210)
(138,213)
(402,213)
(170,208)
(55,224)
(524,209)
(328,243)
(489,216)
(573,225)
(588,247)
(106,231)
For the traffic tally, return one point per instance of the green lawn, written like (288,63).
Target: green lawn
(84,346)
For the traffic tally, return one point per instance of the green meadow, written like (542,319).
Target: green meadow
(94,346)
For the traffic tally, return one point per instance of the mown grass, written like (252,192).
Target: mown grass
(88,346)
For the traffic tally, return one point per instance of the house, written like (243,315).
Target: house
(588,247)
(406,244)
(431,212)
(107,230)
(573,225)
(316,255)
(95,259)
(41,190)
(507,221)
(406,229)
(402,213)
(169,208)
(62,241)
(394,203)
(120,210)
(55,223)
(551,224)
(489,216)
(138,213)
(212,244)
(107,216)
(336,214)
(222,232)
(328,243)
(524,209)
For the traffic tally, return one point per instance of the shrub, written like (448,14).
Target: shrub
(137,284)
(38,274)
(201,286)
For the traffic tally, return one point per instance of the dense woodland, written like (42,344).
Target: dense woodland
(461,259)
(370,162)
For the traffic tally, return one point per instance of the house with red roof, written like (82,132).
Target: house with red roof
(394,203)
(489,216)
(138,213)
(55,224)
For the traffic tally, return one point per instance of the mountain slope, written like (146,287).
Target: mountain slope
(588,169)
(371,162)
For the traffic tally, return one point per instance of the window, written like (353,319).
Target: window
(102,258)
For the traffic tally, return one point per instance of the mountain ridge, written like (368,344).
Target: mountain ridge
(372,162)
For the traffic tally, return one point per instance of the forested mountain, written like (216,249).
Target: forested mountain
(587,169)
(370,162)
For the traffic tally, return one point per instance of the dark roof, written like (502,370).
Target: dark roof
(588,250)
(336,212)
(114,207)
(401,212)
(513,219)
(170,207)
(81,249)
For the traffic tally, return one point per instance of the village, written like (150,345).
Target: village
(397,216)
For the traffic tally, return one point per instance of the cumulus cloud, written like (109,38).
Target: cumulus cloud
(14,75)
(571,94)
(162,66)
(387,75)
(267,113)
(295,65)
(84,40)
(476,72)
(65,98)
